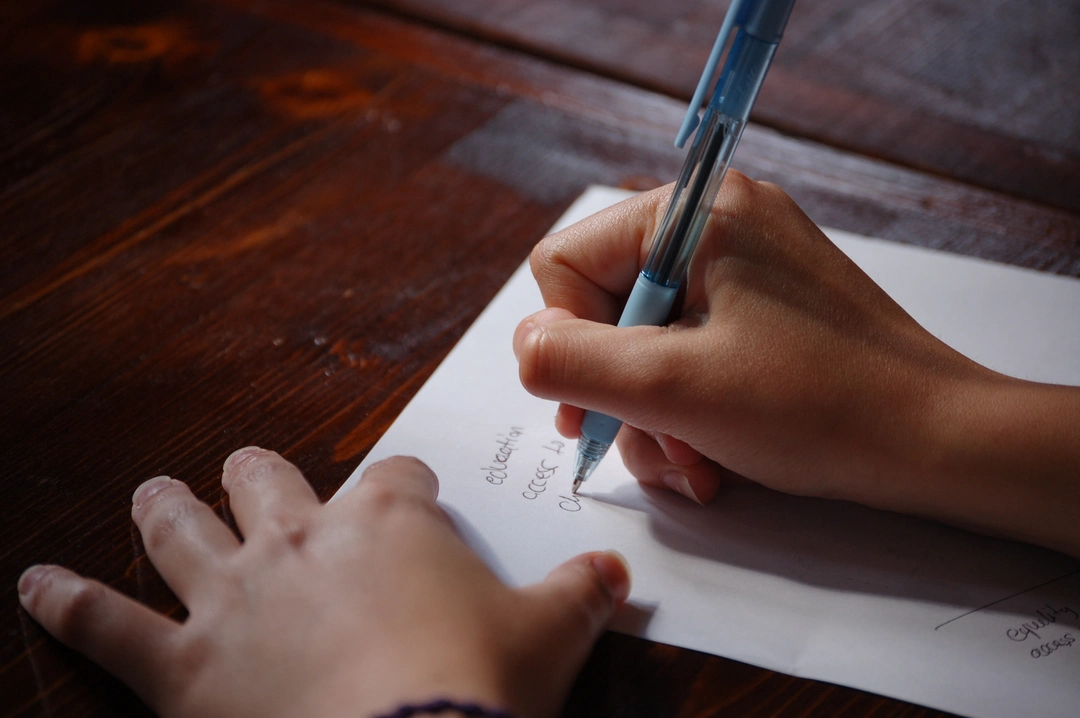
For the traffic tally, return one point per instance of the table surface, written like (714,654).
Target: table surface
(201,203)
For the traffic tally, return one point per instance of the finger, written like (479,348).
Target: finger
(677,451)
(646,460)
(389,481)
(531,322)
(575,603)
(121,635)
(590,267)
(263,487)
(568,420)
(638,374)
(182,535)
(567,417)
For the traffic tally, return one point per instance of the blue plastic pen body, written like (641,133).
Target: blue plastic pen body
(761,25)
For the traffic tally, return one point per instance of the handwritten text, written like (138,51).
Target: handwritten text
(507,444)
(538,484)
(1046,616)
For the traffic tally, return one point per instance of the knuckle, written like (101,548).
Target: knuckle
(550,264)
(774,194)
(290,528)
(387,503)
(79,611)
(740,183)
(540,257)
(738,194)
(163,521)
(542,363)
(771,188)
(382,498)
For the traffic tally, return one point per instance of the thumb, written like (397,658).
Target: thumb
(574,604)
(627,372)
(559,620)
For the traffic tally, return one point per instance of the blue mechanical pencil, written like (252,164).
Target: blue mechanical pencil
(759,25)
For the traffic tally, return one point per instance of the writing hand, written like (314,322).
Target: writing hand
(788,366)
(349,608)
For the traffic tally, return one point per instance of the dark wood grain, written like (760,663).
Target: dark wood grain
(984,92)
(239,222)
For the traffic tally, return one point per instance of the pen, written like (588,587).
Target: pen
(759,25)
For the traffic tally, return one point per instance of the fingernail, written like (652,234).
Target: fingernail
(239,455)
(614,571)
(30,578)
(678,482)
(148,488)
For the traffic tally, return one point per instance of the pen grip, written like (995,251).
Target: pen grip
(600,430)
(649,304)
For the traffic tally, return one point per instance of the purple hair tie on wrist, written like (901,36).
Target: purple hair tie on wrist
(475,710)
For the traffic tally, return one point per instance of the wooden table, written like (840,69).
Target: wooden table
(233,222)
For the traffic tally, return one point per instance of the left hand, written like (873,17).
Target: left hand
(350,608)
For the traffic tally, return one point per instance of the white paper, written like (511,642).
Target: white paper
(826,590)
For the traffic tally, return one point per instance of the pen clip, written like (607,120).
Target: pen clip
(691,121)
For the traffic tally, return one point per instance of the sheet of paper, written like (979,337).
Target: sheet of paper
(827,590)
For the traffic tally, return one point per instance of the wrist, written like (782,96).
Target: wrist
(1002,456)
(400,687)
(448,709)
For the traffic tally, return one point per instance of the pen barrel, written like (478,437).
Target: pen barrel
(765,19)
(692,199)
(744,72)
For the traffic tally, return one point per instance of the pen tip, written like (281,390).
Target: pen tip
(583,468)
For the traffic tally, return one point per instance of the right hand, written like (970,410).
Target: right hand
(787,365)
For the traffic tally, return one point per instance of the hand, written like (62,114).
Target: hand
(350,608)
(788,366)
